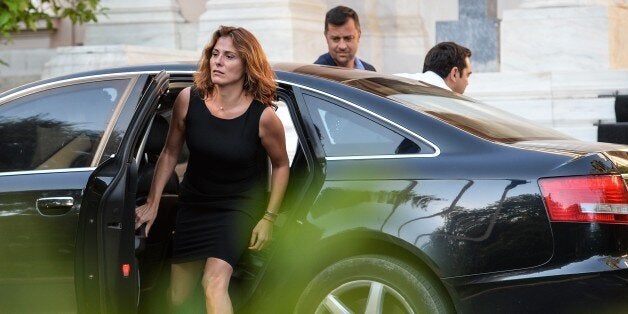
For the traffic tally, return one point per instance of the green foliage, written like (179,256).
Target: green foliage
(16,15)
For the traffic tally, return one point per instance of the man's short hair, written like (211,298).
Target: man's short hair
(339,15)
(444,56)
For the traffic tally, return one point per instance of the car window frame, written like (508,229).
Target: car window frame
(367,114)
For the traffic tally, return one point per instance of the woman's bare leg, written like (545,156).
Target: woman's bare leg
(183,279)
(216,276)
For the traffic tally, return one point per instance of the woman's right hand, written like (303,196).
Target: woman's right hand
(145,214)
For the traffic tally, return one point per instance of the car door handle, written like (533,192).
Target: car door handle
(55,206)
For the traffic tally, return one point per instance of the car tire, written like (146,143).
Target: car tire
(372,284)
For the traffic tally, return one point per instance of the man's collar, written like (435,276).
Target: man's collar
(434,79)
(358,64)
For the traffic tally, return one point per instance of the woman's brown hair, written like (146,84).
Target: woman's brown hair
(259,79)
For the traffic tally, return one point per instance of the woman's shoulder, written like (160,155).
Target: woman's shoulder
(181,104)
(258,103)
(184,94)
(267,112)
(183,97)
(258,106)
(191,94)
(191,91)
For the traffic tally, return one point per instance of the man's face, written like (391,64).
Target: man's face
(343,42)
(462,78)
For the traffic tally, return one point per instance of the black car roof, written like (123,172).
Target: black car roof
(283,70)
(329,72)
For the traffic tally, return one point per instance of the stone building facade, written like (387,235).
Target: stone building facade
(557,62)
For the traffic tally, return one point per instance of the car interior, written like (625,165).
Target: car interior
(69,155)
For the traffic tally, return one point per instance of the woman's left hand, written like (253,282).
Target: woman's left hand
(262,233)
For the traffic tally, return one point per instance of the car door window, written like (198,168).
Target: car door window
(345,133)
(57,128)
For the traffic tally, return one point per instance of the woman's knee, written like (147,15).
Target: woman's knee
(215,284)
(216,278)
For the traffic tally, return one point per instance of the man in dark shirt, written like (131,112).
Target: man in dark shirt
(342,32)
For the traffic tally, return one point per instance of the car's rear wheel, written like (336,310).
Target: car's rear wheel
(372,284)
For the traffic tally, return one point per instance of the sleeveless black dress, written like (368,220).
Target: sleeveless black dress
(224,190)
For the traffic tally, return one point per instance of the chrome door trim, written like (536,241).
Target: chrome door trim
(29,172)
(66,82)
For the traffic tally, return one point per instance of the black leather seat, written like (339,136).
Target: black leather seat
(157,246)
(154,145)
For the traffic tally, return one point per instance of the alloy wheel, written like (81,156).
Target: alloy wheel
(364,296)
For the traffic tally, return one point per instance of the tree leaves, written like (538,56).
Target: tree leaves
(15,15)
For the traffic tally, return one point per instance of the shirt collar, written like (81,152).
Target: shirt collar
(358,64)
(434,79)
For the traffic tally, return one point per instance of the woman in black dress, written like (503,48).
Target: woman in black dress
(230,127)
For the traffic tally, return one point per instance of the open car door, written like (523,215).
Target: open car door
(106,269)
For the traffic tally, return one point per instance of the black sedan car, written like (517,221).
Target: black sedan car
(403,198)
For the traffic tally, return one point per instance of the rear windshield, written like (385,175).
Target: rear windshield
(474,117)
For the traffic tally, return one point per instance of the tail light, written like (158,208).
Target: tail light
(126,270)
(602,198)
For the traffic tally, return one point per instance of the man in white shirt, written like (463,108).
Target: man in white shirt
(447,65)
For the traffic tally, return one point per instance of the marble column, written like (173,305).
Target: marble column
(563,3)
(394,37)
(151,23)
(565,35)
(289,30)
(477,28)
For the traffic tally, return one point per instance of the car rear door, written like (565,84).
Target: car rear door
(105,263)
(51,138)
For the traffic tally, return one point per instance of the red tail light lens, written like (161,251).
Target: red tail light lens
(126,270)
(601,198)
